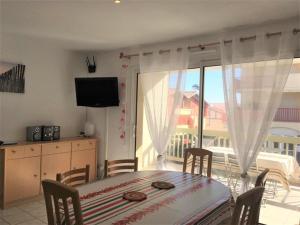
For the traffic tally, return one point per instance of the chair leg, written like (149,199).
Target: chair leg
(226,176)
(275,189)
(235,184)
(230,179)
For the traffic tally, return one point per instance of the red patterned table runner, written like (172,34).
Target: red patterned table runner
(107,206)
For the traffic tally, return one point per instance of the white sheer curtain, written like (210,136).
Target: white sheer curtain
(162,81)
(254,76)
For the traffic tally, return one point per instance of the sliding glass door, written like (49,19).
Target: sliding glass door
(284,135)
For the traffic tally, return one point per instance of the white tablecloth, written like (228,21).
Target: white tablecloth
(285,163)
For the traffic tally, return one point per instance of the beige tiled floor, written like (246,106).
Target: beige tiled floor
(31,212)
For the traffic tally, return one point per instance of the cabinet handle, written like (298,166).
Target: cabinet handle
(57,146)
(34,175)
(44,174)
(32,149)
(78,144)
(13,151)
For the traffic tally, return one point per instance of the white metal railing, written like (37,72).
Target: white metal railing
(187,137)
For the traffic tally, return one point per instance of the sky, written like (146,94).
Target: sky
(213,83)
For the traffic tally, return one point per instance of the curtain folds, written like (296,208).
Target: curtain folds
(254,76)
(162,81)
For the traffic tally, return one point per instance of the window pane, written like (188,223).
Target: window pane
(214,113)
(186,132)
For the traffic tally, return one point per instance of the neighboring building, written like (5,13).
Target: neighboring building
(214,114)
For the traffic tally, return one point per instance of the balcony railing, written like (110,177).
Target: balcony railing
(287,115)
(186,138)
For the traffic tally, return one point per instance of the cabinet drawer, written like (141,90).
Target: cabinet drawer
(15,152)
(53,148)
(83,145)
(32,150)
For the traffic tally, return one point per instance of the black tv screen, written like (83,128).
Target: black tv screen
(97,91)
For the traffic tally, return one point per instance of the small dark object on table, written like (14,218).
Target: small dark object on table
(162,185)
(134,196)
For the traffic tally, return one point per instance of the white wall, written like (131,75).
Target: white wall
(107,120)
(49,89)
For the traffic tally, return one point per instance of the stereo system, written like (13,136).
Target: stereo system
(34,133)
(56,132)
(43,133)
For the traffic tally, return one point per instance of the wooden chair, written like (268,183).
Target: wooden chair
(200,153)
(74,177)
(61,194)
(247,207)
(121,166)
(261,182)
(262,178)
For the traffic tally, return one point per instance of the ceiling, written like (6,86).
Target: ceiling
(104,25)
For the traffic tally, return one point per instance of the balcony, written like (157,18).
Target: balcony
(287,115)
(275,150)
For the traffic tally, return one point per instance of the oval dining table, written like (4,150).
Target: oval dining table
(194,200)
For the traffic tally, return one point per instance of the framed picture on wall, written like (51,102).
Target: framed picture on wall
(12,77)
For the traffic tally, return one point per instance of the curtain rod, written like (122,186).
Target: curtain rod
(203,46)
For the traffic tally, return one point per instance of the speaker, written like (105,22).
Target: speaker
(56,132)
(47,133)
(34,133)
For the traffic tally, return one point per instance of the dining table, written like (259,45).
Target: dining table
(195,199)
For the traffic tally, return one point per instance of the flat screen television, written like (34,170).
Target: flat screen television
(97,91)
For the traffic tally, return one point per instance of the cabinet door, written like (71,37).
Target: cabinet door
(31,180)
(13,179)
(22,178)
(81,158)
(53,164)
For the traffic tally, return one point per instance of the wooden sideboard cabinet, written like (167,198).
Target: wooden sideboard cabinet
(24,166)
(83,153)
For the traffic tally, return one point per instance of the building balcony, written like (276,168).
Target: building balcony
(287,115)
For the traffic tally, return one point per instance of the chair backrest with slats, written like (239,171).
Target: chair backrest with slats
(197,152)
(74,177)
(262,178)
(247,207)
(117,167)
(64,198)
